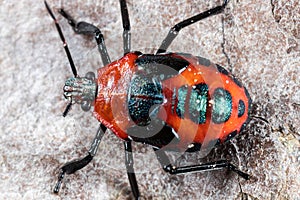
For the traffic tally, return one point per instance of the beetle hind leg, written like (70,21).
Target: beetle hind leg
(217,165)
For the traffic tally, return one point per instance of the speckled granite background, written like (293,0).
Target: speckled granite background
(257,40)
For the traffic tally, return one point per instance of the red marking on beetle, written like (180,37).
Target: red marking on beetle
(111,102)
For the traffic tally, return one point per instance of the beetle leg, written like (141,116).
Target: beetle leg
(126,27)
(130,170)
(175,29)
(73,166)
(168,167)
(89,29)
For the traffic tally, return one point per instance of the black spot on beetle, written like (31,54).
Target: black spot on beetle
(231,135)
(203,61)
(241,108)
(222,70)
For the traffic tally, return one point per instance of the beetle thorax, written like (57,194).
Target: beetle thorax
(81,90)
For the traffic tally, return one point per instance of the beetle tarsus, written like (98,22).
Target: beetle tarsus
(70,168)
(59,182)
(73,166)
(233,168)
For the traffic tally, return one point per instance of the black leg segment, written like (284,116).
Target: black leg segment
(175,29)
(89,29)
(168,167)
(126,27)
(73,166)
(130,170)
(70,168)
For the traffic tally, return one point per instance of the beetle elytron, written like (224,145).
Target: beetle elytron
(171,101)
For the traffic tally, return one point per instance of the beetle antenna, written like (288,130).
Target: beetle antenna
(62,39)
(68,108)
(259,118)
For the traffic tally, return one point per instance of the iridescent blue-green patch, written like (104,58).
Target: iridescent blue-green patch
(145,95)
(198,103)
(222,106)
(182,93)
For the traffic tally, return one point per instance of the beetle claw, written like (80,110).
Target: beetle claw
(59,182)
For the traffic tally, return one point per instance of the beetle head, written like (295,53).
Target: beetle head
(81,90)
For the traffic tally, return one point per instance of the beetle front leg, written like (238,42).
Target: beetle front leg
(89,29)
(73,166)
(168,167)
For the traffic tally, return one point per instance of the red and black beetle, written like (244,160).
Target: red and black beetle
(171,101)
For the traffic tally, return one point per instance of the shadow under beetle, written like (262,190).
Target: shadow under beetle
(171,101)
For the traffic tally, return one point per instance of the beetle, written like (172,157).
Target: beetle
(171,101)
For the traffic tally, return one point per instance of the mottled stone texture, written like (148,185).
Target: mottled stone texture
(258,41)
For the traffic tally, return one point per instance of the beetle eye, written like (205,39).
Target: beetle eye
(90,76)
(86,105)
